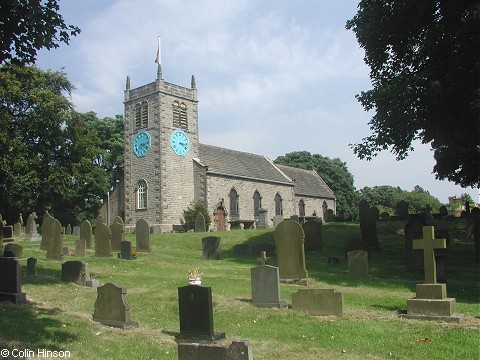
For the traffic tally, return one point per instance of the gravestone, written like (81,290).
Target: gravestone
(329,215)
(413,230)
(353,244)
(86,233)
(313,234)
(318,302)
(11,281)
(295,218)
(7,233)
(17,229)
(237,350)
(427,212)
(368,228)
(111,307)
(473,229)
(358,264)
(47,231)
(81,248)
(200,223)
(76,272)
(262,219)
(277,219)
(76,230)
(431,302)
(31,266)
(196,313)
(443,211)
(363,209)
(31,228)
(402,210)
(375,213)
(55,246)
(289,237)
(265,283)
(126,250)
(103,236)
(68,230)
(117,230)
(16,248)
(211,248)
(142,235)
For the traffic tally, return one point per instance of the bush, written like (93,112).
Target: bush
(190,214)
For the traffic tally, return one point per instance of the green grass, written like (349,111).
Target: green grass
(59,315)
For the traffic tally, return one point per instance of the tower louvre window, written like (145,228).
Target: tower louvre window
(179,111)
(138,116)
(144,114)
(183,116)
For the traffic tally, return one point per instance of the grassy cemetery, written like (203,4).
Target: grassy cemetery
(58,314)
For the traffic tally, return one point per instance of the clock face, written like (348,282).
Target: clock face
(179,143)
(141,143)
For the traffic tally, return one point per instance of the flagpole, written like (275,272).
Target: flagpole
(158,60)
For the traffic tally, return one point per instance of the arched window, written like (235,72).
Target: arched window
(233,204)
(144,114)
(278,205)
(142,194)
(138,116)
(257,203)
(183,116)
(301,208)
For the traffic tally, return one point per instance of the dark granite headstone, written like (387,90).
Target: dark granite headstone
(363,209)
(211,248)
(402,210)
(441,271)
(237,350)
(368,227)
(313,235)
(196,313)
(31,266)
(126,250)
(11,281)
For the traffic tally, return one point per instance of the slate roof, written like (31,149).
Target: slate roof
(307,182)
(240,164)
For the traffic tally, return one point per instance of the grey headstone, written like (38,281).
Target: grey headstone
(103,245)
(68,230)
(289,237)
(31,266)
(17,229)
(111,306)
(200,223)
(277,219)
(76,230)
(211,248)
(265,282)
(118,233)
(142,234)
(81,248)
(11,281)
(47,231)
(76,272)
(358,264)
(55,247)
(262,219)
(313,234)
(16,248)
(318,302)
(31,228)
(126,250)
(86,233)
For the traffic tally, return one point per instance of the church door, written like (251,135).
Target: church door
(220,219)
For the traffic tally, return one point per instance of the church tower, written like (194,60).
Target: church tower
(161,141)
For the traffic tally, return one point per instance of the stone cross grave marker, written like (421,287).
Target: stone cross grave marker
(263,258)
(196,313)
(289,237)
(11,281)
(86,233)
(142,235)
(103,236)
(200,223)
(111,307)
(428,243)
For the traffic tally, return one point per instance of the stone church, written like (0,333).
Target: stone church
(166,169)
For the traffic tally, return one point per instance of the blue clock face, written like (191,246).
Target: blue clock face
(179,143)
(141,143)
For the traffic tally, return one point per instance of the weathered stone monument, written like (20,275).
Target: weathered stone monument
(277,219)
(16,248)
(68,230)
(76,272)
(358,264)
(289,238)
(103,245)
(142,235)
(237,350)
(126,251)
(47,231)
(31,228)
(262,222)
(318,302)
(211,249)
(265,283)
(196,313)
(11,281)
(117,230)
(363,209)
(111,307)
(81,248)
(31,266)
(431,302)
(55,246)
(368,228)
(86,233)
(402,210)
(312,229)
(200,223)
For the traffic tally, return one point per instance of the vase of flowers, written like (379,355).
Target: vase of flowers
(194,277)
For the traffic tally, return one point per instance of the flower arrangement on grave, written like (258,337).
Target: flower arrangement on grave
(194,277)
(134,253)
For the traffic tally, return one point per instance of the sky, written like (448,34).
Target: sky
(273,76)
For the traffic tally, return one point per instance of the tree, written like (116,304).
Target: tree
(333,171)
(28,26)
(425,67)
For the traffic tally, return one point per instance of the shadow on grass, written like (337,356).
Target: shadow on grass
(30,327)
(45,276)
